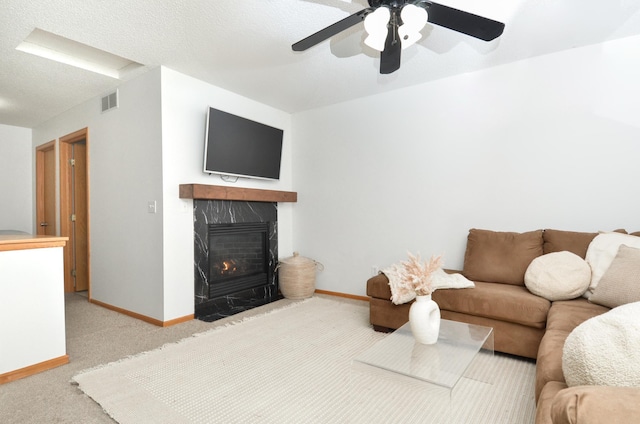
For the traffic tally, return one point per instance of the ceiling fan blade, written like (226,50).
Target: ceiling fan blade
(330,31)
(467,23)
(390,56)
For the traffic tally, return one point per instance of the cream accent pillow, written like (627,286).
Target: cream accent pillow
(558,276)
(601,252)
(621,283)
(443,280)
(605,350)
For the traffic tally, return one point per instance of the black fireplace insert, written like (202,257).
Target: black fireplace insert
(238,257)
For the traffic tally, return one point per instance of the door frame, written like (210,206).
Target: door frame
(40,176)
(65,149)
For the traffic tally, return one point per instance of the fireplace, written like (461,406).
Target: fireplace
(235,256)
(238,257)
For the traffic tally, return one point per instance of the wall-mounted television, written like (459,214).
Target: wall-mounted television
(239,147)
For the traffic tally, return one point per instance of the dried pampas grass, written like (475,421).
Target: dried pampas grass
(413,277)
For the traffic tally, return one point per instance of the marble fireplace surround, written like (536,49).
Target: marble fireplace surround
(225,205)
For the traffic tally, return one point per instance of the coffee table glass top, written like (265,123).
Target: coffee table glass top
(442,363)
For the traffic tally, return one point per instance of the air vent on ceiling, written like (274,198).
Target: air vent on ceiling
(110,101)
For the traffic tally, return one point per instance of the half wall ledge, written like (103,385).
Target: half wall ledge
(214,192)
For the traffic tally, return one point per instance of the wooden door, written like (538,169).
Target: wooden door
(46,189)
(74,202)
(80,225)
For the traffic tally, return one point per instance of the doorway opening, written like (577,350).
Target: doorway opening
(74,210)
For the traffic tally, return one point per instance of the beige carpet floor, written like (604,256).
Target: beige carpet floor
(95,336)
(293,365)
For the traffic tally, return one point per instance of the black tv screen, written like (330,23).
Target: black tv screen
(240,147)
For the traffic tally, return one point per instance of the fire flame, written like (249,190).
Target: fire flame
(228,267)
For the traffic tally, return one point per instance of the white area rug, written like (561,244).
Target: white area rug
(293,365)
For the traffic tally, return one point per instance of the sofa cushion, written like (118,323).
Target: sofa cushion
(605,350)
(596,405)
(558,276)
(544,402)
(601,252)
(572,241)
(549,359)
(509,337)
(500,257)
(496,301)
(620,284)
(563,317)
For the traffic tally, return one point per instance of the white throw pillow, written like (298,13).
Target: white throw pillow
(558,276)
(602,249)
(605,350)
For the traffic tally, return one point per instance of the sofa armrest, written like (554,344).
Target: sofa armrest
(596,405)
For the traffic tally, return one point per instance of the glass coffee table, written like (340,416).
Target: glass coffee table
(440,365)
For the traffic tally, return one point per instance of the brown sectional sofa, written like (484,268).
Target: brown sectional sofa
(524,324)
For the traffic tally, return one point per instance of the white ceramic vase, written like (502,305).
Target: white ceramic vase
(424,318)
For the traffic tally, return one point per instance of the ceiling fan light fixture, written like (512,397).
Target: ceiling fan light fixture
(414,18)
(376,26)
(394,25)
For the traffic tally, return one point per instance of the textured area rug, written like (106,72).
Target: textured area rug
(294,365)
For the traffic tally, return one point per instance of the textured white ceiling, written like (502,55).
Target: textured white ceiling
(245,46)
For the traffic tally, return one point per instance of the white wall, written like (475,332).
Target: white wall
(141,152)
(17,177)
(125,172)
(545,143)
(184,105)
(551,142)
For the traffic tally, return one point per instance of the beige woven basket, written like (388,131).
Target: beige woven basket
(297,276)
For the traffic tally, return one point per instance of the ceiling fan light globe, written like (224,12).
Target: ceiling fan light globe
(414,18)
(375,24)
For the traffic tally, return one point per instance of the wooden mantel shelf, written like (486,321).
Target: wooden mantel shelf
(213,192)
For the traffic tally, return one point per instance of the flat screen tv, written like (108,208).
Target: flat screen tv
(239,147)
